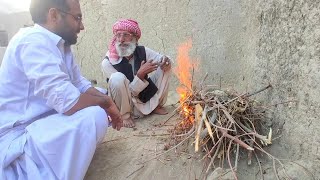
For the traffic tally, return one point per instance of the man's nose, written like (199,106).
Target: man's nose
(121,38)
(81,26)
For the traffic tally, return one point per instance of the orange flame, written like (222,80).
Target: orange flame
(183,71)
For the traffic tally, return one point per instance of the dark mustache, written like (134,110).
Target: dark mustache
(124,44)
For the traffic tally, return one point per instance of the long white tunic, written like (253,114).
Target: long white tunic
(39,81)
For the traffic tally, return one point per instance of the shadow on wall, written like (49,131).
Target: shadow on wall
(4,39)
(8,27)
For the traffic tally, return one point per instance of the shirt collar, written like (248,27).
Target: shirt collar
(54,37)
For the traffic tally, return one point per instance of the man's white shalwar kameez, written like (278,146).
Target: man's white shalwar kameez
(39,81)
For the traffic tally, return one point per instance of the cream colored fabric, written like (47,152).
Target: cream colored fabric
(125,93)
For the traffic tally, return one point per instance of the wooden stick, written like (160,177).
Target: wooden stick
(173,114)
(261,172)
(198,131)
(186,134)
(121,138)
(148,135)
(248,94)
(263,138)
(250,153)
(230,165)
(260,90)
(236,139)
(213,157)
(168,149)
(135,171)
(275,169)
(237,158)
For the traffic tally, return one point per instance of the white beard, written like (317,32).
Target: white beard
(126,49)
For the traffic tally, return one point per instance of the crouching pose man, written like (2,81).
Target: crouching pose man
(138,77)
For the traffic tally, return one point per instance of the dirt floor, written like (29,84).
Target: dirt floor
(132,154)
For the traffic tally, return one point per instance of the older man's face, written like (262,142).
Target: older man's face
(125,43)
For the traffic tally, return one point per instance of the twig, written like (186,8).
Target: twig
(235,98)
(273,159)
(168,149)
(230,165)
(186,134)
(256,92)
(248,94)
(218,143)
(213,157)
(237,158)
(250,152)
(116,139)
(263,138)
(204,79)
(275,169)
(192,78)
(173,114)
(261,172)
(135,171)
(161,161)
(236,139)
(148,135)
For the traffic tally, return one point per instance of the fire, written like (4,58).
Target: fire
(183,71)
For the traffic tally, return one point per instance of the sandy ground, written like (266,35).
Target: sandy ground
(131,154)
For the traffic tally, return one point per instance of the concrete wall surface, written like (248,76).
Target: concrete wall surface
(2,51)
(11,23)
(287,56)
(14,21)
(242,44)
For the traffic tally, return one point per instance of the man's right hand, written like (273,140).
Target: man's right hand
(146,68)
(113,111)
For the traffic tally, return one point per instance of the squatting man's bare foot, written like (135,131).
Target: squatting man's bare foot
(160,110)
(129,123)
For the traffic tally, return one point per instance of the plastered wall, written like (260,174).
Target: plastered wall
(244,45)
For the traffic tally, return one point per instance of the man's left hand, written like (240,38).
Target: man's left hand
(165,64)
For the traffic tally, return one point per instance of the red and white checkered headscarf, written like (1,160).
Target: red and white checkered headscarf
(129,25)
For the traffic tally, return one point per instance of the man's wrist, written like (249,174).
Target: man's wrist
(108,101)
(140,76)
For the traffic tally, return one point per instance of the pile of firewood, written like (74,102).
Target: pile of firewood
(220,123)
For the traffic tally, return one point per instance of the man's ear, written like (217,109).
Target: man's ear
(53,15)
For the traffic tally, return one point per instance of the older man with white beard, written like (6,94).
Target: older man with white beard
(137,76)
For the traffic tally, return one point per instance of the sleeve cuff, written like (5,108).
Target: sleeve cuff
(85,87)
(137,85)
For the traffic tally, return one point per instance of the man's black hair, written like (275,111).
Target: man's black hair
(39,9)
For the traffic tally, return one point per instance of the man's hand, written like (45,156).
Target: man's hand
(113,111)
(146,68)
(165,64)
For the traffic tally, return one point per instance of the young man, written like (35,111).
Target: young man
(51,118)
(138,77)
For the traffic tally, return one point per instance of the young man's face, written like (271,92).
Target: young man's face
(71,22)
